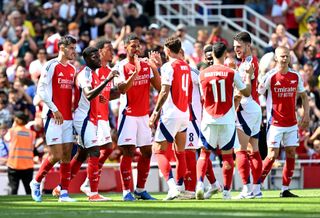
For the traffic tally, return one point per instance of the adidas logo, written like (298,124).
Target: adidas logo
(277,83)
(103,77)
(60,74)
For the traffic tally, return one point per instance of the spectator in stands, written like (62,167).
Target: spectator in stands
(47,18)
(107,14)
(216,36)
(4,147)
(312,36)
(306,9)
(8,54)
(20,159)
(273,44)
(24,41)
(136,20)
(310,55)
(186,45)
(36,65)
(291,24)
(283,40)
(9,29)
(151,44)
(197,56)
(202,36)
(155,30)
(5,114)
(4,82)
(67,10)
(164,34)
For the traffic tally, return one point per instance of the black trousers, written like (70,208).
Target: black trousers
(15,176)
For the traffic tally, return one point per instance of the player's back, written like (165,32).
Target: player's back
(178,74)
(216,84)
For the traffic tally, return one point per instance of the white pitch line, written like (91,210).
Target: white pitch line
(154,212)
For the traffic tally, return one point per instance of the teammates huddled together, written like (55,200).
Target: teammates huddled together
(216,108)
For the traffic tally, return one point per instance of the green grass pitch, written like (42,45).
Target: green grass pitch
(307,205)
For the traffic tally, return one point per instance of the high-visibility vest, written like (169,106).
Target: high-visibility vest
(21,148)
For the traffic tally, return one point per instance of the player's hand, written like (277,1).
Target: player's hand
(113,74)
(304,123)
(102,99)
(137,63)
(152,119)
(58,118)
(249,69)
(155,59)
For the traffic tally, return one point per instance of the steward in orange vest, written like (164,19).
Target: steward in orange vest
(20,159)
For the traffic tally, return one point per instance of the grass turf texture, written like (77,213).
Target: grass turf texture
(307,205)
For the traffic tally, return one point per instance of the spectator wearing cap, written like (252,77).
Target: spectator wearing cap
(20,159)
(312,35)
(302,13)
(136,20)
(47,17)
(186,45)
(155,30)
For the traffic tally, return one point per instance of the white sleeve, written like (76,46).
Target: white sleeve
(264,84)
(151,73)
(238,81)
(121,77)
(200,86)
(300,87)
(44,83)
(195,76)
(84,79)
(166,74)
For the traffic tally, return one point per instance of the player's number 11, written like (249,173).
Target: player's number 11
(222,85)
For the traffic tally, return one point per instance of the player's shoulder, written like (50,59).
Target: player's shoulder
(51,64)
(194,71)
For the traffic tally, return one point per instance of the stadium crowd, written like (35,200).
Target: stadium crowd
(30,37)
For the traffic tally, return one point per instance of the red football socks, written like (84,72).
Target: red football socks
(44,169)
(202,164)
(126,172)
(256,166)
(163,163)
(227,170)
(267,166)
(287,172)
(65,175)
(243,166)
(93,173)
(143,168)
(190,180)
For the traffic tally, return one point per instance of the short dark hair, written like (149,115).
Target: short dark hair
(67,40)
(100,44)
(22,116)
(174,44)
(88,51)
(132,5)
(243,37)
(218,49)
(131,37)
(207,48)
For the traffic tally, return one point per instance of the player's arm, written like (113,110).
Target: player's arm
(92,93)
(123,87)
(155,63)
(247,90)
(114,93)
(304,123)
(162,97)
(42,91)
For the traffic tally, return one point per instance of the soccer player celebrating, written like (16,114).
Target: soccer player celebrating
(104,138)
(133,130)
(173,104)
(218,123)
(249,119)
(282,84)
(55,90)
(86,117)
